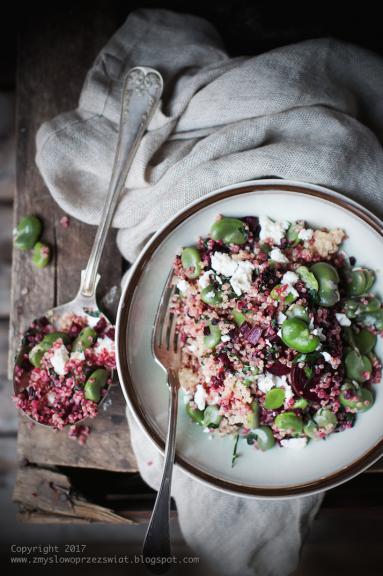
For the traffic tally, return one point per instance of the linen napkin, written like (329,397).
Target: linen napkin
(311,111)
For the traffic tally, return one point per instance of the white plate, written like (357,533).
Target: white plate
(278,473)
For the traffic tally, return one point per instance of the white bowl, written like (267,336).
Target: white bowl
(280,472)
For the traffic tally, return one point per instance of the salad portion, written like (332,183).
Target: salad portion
(278,329)
(62,373)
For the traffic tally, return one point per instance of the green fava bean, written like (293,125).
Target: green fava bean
(355,398)
(348,336)
(325,419)
(211,296)
(212,339)
(365,341)
(84,340)
(372,319)
(274,398)
(51,338)
(308,278)
(351,308)
(358,366)
(95,383)
(301,404)
(289,422)
(359,281)
(252,418)
(296,335)
(370,279)
(292,235)
(328,279)
(36,355)
(372,305)
(229,230)
(265,438)
(367,400)
(311,430)
(191,262)
(238,317)
(27,232)
(212,417)
(38,351)
(195,414)
(41,255)
(276,295)
(297,311)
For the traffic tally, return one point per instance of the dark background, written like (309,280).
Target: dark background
(248,27)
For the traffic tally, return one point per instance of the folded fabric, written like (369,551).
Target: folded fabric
(310,112)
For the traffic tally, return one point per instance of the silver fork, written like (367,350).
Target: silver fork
(167,353)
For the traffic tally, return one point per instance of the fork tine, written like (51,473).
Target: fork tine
(161,311)
(173,341)
(166,324)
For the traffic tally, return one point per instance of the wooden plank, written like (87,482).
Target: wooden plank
(44,490)
(6,217)
(54,80)
(7,147)
(108,446)
(8,414)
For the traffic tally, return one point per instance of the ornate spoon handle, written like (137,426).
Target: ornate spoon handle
(141,94)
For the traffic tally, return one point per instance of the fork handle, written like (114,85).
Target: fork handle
(157,539)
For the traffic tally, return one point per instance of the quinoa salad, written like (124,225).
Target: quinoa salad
(278,328)
(63,373)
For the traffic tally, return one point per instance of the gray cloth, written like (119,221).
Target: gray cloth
(312,112)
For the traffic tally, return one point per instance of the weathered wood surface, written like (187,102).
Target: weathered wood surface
(52,492)
(54,56)
(108,446)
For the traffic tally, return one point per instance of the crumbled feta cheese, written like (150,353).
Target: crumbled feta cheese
(305,234)
(59,358)
(332,361)
(210,294)
(182,285)
(277,255)
(272,230)
(200,397)
(289,394)
(342,319)
(204,280)
(225,338)
(186,398)
(242,278)
(267,381)
(294,443)
(51,397)
(290,278)
(104,344)
(319,332)
(77,356)
(279,333)
(223,264)
(281,317)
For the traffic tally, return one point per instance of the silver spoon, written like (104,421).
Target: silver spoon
(141,93)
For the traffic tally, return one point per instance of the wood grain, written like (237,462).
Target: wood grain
(54,56)
(51,492)
(108,446)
